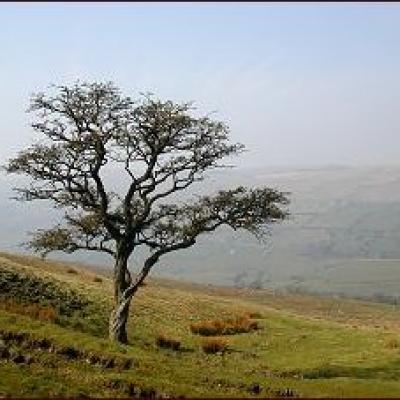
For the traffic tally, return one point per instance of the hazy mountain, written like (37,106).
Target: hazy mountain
(343,235)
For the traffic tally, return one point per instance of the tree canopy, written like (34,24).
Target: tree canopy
(161,148)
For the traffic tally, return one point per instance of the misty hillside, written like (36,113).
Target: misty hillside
(343,235)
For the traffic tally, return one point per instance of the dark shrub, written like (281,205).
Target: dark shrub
(167,343)
(21,290)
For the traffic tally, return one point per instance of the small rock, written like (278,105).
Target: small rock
(286,393)
(19,359)
(52,349)
(255,388)
(92,359)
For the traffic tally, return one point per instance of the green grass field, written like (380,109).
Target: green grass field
(305,346)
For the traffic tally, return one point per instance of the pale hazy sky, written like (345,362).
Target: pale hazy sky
(303,84)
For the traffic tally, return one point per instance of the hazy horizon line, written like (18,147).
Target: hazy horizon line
(316,166)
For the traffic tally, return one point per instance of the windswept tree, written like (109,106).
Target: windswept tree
(158,148)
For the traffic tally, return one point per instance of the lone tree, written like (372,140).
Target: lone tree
(159,148)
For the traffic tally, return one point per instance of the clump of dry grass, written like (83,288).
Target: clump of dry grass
(214,345)
(47,314)
(167,343)
(217,327)
(97,279)
(44,313)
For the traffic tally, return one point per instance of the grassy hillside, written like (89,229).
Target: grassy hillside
(55,343)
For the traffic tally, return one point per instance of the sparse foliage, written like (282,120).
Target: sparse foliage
(159,148)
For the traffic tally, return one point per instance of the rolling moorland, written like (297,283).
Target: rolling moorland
(187,339)
(342,237)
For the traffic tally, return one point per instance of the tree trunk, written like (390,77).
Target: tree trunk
(124,290)
(118,320)
(119,316)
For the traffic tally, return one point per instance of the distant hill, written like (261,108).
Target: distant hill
(343,235)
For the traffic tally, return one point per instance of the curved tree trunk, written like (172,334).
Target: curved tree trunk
(118,320)
(119,316)
(124,290)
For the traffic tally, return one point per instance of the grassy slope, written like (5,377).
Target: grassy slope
(316,346)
